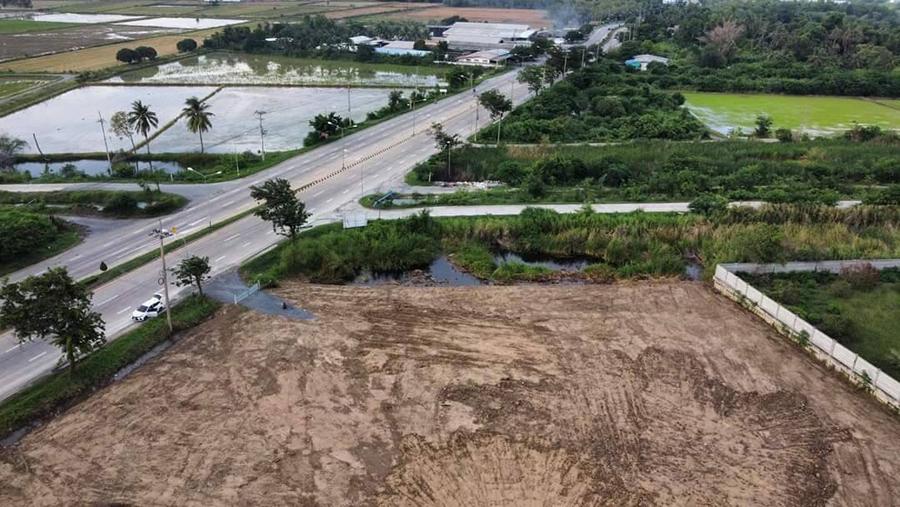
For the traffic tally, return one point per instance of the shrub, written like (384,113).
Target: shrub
(186,45)
(784,135)
(145,52)
(864,277)
(121,203)
(709,205)
(127,55)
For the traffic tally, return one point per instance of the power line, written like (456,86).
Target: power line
(262,132)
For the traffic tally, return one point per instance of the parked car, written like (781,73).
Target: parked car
(149,309)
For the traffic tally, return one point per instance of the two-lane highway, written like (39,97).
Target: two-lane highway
(374,158)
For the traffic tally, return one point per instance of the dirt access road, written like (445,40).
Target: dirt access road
(629,394)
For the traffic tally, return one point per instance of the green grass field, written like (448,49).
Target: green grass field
(13,86)
(10,26)
(814,115)
(863,319)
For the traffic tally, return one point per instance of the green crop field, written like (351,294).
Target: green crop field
(12,86)
(9,26)
(814,115)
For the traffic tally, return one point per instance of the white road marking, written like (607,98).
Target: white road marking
(329,200)
(107,300)
(245,245)
(229,238)
(220,258)
(345,190)
(197,222)
(229,203)
(12,348)
(123,310)
(317,194)
(42,354)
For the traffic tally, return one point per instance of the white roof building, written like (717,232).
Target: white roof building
(486,58)
(479,36)
(642,61)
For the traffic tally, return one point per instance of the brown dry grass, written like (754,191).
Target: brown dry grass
(532,17)
(99,57)
(628,394)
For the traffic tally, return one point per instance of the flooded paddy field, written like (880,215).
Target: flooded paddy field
(68,123)
(52,40)
(241,69)
(64,17)
(183,23)
(235,127)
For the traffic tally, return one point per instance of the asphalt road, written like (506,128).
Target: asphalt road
(376,157)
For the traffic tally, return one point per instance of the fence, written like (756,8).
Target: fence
(253,289)
(882,385)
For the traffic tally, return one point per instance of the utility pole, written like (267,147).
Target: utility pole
(349,110)
(162,234)
(105,144)
(475,96)
(565,63)
(262,133)
(582,56)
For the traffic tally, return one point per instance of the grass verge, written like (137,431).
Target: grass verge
(60,390)
(66,240)
(107,203)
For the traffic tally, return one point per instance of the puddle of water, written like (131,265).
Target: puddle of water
(239,69)
(441,271)
(184,23)
(95,167)
(693,271)
(64,17)
(566,265)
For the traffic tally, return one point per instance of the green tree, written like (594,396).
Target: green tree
(533,76)
(497,104)
(763,126)
(198,117)
(186,45)
(280,206)
(142,120)
(53,306)
(444,142)
(127,55)
(119,126)
(145,53)
(709,205)
(192,270)
(9,148)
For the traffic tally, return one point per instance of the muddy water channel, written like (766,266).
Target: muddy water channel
(442,271)
(245,69)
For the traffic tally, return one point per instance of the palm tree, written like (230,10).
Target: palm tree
(198,118)
(142,120)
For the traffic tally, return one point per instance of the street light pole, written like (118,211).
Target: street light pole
(162,234)
(262,132)
(105,143)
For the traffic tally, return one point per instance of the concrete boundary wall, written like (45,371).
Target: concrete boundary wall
(883,386)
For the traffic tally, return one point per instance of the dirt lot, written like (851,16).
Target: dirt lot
(629,394)
(532,17)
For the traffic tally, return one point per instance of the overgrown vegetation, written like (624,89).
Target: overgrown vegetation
(859,307)
(811,171)
(318,36)
(600,102)
(30,237)
(119,204)
(622,245)
(59,390)
(805,48)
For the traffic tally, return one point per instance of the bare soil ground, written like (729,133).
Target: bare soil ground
(629,394)
(532,17)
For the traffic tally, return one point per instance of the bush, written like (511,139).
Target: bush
(784,135)
(186,45)
(864,277)
(25,233)
(122,203)
(708,205)
(127,55)
(145,52)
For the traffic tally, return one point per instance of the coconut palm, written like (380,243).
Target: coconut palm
(198,118)
(143,120)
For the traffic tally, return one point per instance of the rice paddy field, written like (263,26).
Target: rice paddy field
(814,115)
(75,127)
(12,26)
(250,69)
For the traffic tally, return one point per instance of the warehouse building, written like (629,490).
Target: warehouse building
(465,36)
